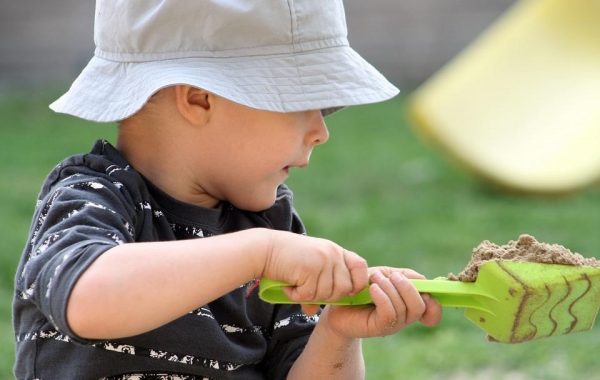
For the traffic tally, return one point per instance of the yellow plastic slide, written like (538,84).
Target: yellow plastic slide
(521,105)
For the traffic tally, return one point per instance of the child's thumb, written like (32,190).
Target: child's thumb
(310,310)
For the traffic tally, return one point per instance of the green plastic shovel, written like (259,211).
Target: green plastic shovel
(512,301)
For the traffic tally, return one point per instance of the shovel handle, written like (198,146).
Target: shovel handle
(446,292)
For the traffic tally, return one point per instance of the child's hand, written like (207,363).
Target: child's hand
(316,269)
(396,305)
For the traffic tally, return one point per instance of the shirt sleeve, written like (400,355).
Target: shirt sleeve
(74,223)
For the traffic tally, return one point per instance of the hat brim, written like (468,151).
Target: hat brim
(325,79)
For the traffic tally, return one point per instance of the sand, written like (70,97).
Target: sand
(526,248)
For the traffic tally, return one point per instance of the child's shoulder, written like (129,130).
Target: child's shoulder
(102,167)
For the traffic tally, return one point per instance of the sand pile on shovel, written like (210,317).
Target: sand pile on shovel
(526,248)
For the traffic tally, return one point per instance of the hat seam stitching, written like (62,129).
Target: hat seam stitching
(320,44)
(295,22)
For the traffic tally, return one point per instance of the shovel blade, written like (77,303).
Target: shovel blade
(537,300)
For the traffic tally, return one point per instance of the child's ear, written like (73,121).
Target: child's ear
(194,104)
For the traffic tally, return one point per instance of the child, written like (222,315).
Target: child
(142,259)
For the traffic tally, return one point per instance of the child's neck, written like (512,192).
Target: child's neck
(158,160)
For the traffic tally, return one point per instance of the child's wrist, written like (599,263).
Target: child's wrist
(332,334)
(261,241)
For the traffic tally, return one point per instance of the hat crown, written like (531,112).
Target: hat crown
(141,30)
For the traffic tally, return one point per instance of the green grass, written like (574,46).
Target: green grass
(376,189)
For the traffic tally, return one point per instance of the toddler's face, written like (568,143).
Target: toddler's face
(253,150)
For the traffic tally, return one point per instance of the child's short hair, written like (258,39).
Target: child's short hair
(279,56)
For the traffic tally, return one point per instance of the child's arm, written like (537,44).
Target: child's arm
(334,349)
(135,287)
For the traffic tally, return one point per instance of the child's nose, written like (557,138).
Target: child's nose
(318,132)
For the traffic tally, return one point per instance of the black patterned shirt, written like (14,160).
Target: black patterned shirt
(92,202)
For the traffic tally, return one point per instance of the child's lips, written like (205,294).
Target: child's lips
(301,165)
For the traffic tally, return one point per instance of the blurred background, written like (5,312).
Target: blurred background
(377,187)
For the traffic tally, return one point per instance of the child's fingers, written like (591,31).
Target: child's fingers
(336,281)
(387,271)
(393,296)
(407,301)
(409,273)
(433,311)
(325,284)
(310,309)
(358,268)
(305,291)
(386,314)
(333,273)
(342,282)
(330,283)
(411,300)
(334,284)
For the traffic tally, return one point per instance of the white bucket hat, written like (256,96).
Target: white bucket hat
(273,55)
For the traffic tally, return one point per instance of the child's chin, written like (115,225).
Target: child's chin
(256,204)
